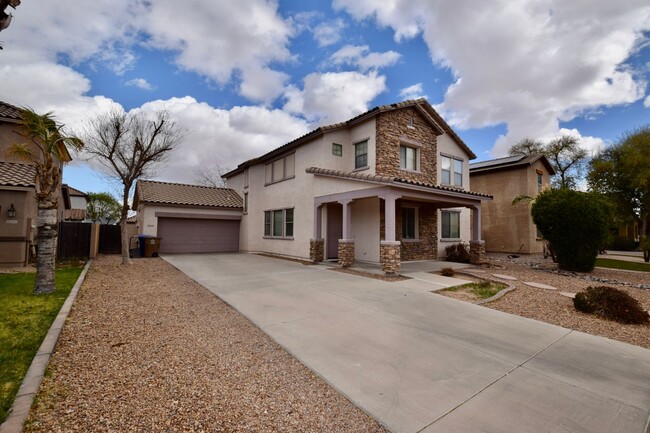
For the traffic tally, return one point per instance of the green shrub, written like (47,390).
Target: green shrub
(447,272)
(610,303)
(575,223)
(457,253)
(621,243)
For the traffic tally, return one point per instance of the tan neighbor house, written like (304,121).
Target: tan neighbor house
(17,195)
(507,228)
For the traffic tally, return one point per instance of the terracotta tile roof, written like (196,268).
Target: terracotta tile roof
(76,193)
(390,180)
(509,162)
(149,191)
(421,104)
(74,214)
(9,111)
(17,174)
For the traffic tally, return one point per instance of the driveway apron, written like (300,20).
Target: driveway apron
(419,362)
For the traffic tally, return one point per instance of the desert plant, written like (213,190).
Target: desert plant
(610,303)
(447,272)
(457,253)
(575,223)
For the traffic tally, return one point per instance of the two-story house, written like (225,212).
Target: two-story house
(388,185)
(18,208)
(509,228)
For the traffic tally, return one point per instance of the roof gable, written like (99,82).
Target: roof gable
(510,162)
(422,105)
(154,192)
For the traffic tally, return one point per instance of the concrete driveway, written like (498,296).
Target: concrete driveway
(420,362)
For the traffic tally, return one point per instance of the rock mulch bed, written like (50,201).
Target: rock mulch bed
(553,307)
(146,349)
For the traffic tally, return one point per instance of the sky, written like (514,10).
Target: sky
(243,77)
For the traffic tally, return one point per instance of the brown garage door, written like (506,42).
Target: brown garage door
(188,235)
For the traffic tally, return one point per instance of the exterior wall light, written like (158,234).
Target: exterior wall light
(11,212)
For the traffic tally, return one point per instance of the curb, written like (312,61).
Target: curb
(32,381)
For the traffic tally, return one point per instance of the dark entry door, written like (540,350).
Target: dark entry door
(334,229)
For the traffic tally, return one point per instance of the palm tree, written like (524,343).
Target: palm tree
(47,150)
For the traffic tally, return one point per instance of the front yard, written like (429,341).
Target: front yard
(24,321)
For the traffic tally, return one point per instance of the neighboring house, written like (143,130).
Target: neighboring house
(17,194)
(78,209)
(388,185)
(508,228)
(188,218)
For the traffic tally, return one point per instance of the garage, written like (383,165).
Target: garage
(189,235)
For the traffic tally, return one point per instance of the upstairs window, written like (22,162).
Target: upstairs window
(451,171)
(280,169)
(408,158)
(245,202)
(361,154)
(539,181)
(337,149)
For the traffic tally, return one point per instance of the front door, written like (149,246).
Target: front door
(334,229)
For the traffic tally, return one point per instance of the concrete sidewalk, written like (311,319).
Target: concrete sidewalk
(419,362)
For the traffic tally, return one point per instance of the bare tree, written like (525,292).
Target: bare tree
(129,146)
(210,175)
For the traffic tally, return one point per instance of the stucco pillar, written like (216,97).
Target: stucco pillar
(317,243)
(476,223)
(346,245)
(389,217)
(347,219)
(318,221)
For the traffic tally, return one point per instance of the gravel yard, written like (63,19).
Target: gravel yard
(551,307)
(148,349)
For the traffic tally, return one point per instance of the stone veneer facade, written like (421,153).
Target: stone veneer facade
(426,246)
(408,127)
(317,250)
(390,257)
(346,252)
(476,252)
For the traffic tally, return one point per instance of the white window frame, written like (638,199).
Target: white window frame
(442,225)
(269,234)
(416,224)
(452,170)
(358,143)
(403,164)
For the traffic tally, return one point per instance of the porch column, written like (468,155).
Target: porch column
(390,249)
(346,245)
(476,245)
(317,243)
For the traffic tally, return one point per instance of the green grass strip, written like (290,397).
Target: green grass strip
(24,321)
(622,264)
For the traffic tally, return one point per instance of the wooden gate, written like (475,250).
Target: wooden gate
(110,239)
(73,240)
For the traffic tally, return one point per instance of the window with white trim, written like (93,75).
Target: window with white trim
(278,223)
(280,169)
(408,158)
(409,223)
(450,224)
(451,171)
(361,154)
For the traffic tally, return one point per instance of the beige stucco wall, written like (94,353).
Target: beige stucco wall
(506,227)
(447,146)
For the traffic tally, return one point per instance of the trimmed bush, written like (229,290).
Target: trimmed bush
(457,253)
(611,303)
(447,272)
(575,223)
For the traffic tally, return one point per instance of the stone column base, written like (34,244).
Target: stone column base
(317,250)
(390,256)
(476,252)
(346,252)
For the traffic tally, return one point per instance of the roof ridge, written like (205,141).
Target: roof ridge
(522,156)
(185,184)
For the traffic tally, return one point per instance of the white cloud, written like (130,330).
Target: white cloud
(262,84)
(528,64)
(334,96)
(363,58)
(412,92)
(646,102)
(140,83)
(328,32)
